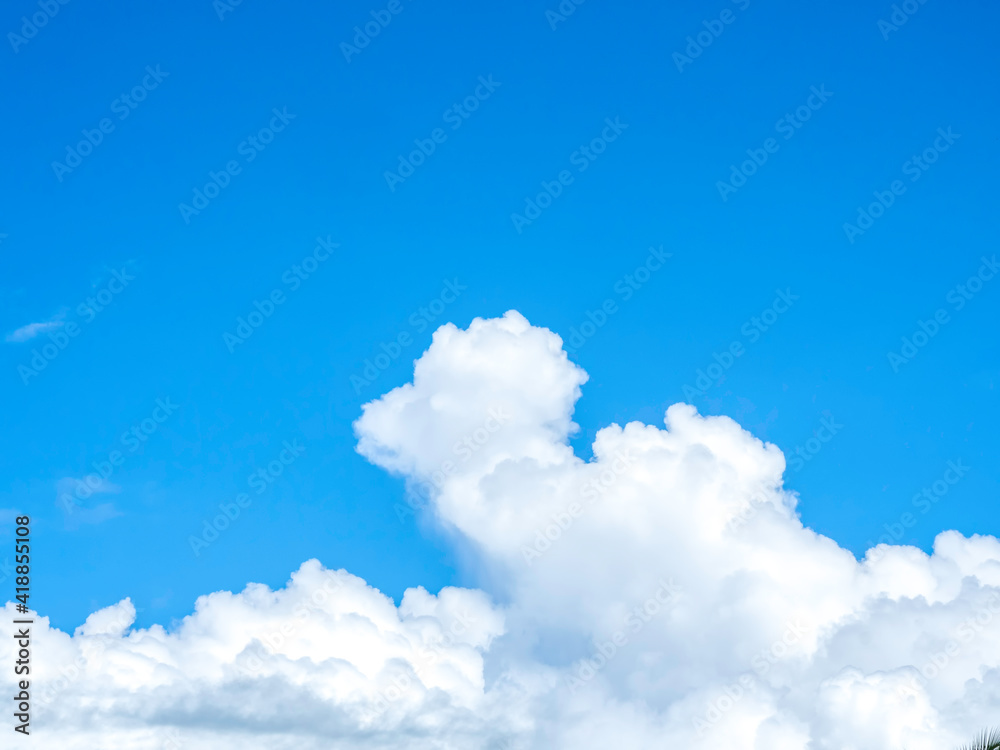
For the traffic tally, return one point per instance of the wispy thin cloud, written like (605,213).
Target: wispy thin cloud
(28,332)
(74,497)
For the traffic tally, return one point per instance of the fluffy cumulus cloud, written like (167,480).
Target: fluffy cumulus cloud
(326,656)
(662,594)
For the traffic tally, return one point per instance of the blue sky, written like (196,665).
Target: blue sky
(441,245)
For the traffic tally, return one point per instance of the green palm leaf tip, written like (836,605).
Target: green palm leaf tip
(989,740)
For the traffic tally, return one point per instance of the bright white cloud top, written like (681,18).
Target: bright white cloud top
(664,594)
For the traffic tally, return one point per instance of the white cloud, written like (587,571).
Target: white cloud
(28,332)
(75,498)
(664,594)
(326,654)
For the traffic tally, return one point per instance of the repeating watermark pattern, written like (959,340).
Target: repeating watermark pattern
(256,655)
(561,521)
(92,648)
(900,15)
(958,296)
(454,116)
(703,39)
(48,9)
(122,106)
(292,277)
(731,694)
(962,635)
(786,127)
(249,148)
(363,35)
(922,501)
(752,329)
(171,739)
(131,439)
(419,321)
(60,338)
(581,158)
(914,168)
(625,288)
(747,682)
(768,657)
(420,493)
(427,656)
(261,478)
(563,11)
(805,453)
(222,7)
(604,651)
(746,509)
